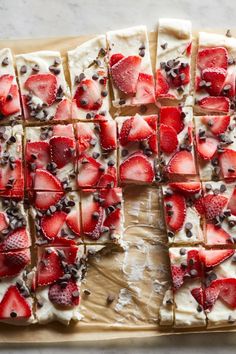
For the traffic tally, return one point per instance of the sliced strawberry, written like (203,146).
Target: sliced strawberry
(217,124)
(217,235)
(213,104)
(73,221)
(145,89)
(92,220)
(137,168)
(178,274)
(232,203)
(107,181)
(229,84)
(63,130)
(14,305)
(43,200)
(51,224)
(63,111)
(216,77)
(3,222)
(16,240)
(199,204)
(214,204)
(125,74)
(162,86)
(171,116)
(212,258)
(211,295)
(115,58)
(5,85)
(89,172)
(67,296)
(228,291)
(38,152)
(189,49)
(194,263)
(140,130)
(198,295)
(62,150)
(125,129)
(49,268)
(228,164)
(88,95)
(43,180)
(207,148)
(168,139)
(84,134)
(12,263)
(175,215)
(183,76)
(11,104)
(111,196)
(44,86)
(182,163)
(212,58)
(186,187)
(108,135)
(197,83)
(113,219)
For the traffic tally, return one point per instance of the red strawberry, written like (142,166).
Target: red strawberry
(211,295)
(232,203)
(16,240)
(125,74)
(176,220)
(217,124)
(52,224)
(212,258)
(194,262)
(186,187)
(63,130)
(92,220)
(216,77)
(182,163)
(5,85)
(200,206)
(214,204)
(115,58)
(49,268)
(178,274)
(212,58)
(171,116)
(217,235)
(73,221)
(43,180)
(43,200)
(88,95)
(198,295)
(228,291)
(12,263)
(14,306)
(84,134)
(111,196)
(107,181)
(38,152)
(63,111)
(44,86)
(62,150)
(137,168)
(145,89)
(213,104)
(183,76)
(189,49)
(108,135)
(162,86)
(207,148)
(229,84)
(168,139)
(89,172)
(64,296)
(11,104)
(125,129)
(140,130)
(228,164)
(113,219)
(3,222)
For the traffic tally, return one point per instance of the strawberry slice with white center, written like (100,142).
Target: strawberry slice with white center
(92,220)
(232,203)
(88,95)
(90,172)
(44,86)
(43,180)
(213,104)
(145,89)
(227,291)
(43,200)
(207,148)
(11,104)
(168,139)
(52,224)
(73,221)
(12,263)
(228,164)
(125,74)
(14,305)
(137,168)
(115,58)
(62,150)
(140,130)
(113,219)
(217,236)
(108,135)
(182,163)
(84,135)
(216,77)
(124,132)
(16,240)
(212,58)
(175,213)
(172,117)
(63,111)
(66,296)
(63,130)
(183,76)
(186,187)
(212,258)
(5,85)
(38,152)
(3,221)
(49,268)
(162,86)
(217,124)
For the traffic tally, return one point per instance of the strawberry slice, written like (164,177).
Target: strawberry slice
(228,164)
(178,274)
(186,187)
(171,116)
(107,181)
(217,124)
(207,148)
(228,291)
(111,196)
(12,263)
(51,225)
(212,258)
(44,86)
(214,204)
(125,74)
(108,135)
(63,130)
(63,111)
(62,150)
(3,222)
(175,215)
(168,139)
(229,85)
(145,89)
(216,235)
(216,77)
(84,135)
(183,76)
(89,172)
(38,152)
(113,219)
(140,130)
(73,221)
(43,200)
(88,95)
(67,296)
(162,86)
(11,104)
(199,296)
(213,104)
(43,180)
(182,163)
(137,168)
(194,263)
(212,58)
(5,85)
(92,220)
(211,294)
(115,58)
(16,240)
(49,268)
(124,132)
(232,203)
(14,305)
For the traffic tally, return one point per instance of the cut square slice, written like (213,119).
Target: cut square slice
(56,217)
(138,149)
(215,73)
(183,221)
(58,277)
(89,80)
(173,63)
(102,215)
(44,91)
(50,158)
(97,154)
(11,172)
(216,147)
(176,143)
(10,107)
(130,67)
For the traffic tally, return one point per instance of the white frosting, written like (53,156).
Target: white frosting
(166,312)
(14,149)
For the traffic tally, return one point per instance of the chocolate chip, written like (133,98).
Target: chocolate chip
(182,251)
(122,101)
(95,215)
(164,45)
(223,188)
(124,152)
(57,61)
(5,61)
(228,33)
(110,299)
(36,68)
(188,226)
(111,163)
(231,319)
(13,314)
(54,69)
(95,76)
(87,292)
(23,69)
(104,93)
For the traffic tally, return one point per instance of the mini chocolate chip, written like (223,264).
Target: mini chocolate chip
(110,299)
(188,226)
(87,292)
(182,251)
(13,314)
(228,33)
(164,45)
(5,61)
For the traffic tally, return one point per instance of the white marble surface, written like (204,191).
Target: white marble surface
(41,18)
